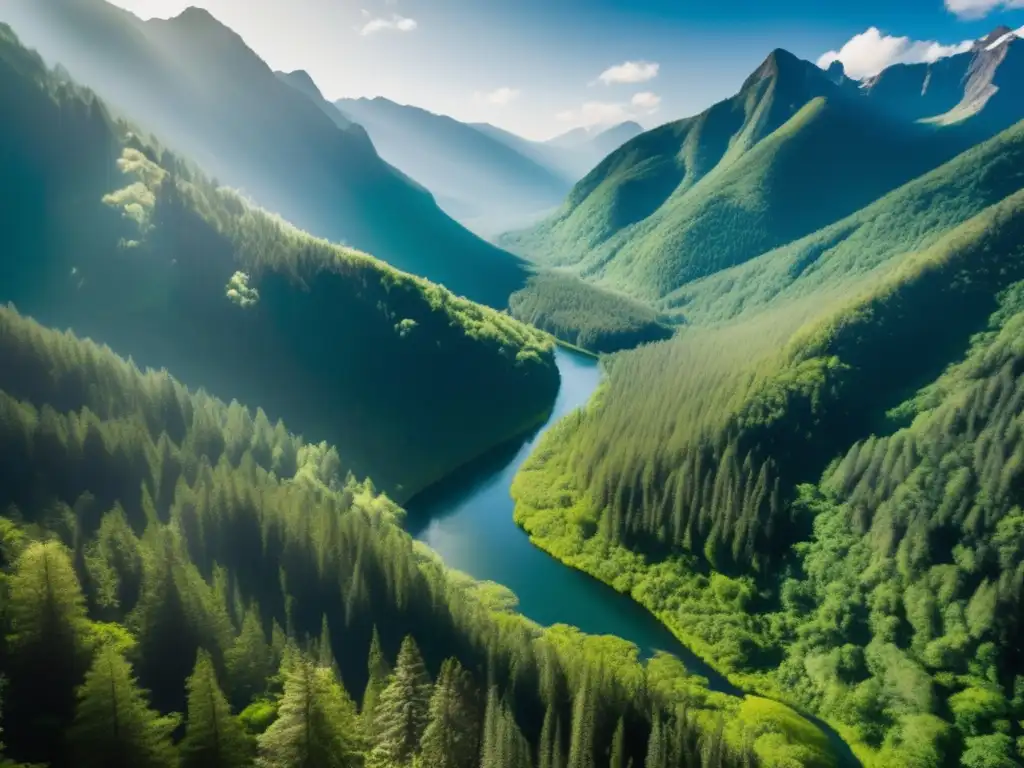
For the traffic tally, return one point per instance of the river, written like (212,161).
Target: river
(468,520)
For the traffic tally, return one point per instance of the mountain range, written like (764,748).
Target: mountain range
(795,149)
(196,84)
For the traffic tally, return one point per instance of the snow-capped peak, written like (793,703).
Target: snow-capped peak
(1000,41)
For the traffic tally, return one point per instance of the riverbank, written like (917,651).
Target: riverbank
(558,521)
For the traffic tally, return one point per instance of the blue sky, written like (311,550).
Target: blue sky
(535,66)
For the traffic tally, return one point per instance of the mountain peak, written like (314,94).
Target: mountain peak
(778,63)
(996,38)
(302,81)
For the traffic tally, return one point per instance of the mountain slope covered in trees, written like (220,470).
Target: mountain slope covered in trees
(798,489)
(186,584)
(124,241)
(195,84)
(792,152)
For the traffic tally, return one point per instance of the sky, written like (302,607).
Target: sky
(541,67)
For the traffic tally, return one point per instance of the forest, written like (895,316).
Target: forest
(187,583)
(585,315)
(129,243)
(829,514)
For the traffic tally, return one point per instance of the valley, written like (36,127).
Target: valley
(338,432)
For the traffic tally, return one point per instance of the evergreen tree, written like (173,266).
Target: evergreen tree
(403,710)
(617,755)
(451,739)
(546,750)
(379,677)
(316,726)
(249,660)
(657,748)
(214,738)
(48,644)
(503,744)
(581,749)
(324,649)
(114,726)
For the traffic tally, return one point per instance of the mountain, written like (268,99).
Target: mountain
(699,195)
(195,83)
(571,154)
(817,481)
(303,83)
(980,88)
(128,243)
(478,180)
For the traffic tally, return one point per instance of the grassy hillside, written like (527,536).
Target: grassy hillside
(125,242)
(182,578)
(682,482)
(790,153)
(195,83)
(484,183)
(585,315)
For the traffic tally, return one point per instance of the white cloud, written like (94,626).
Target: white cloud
(396,23)
(630,72)
(977,9)
(499,97)
(647,101)
(871,51)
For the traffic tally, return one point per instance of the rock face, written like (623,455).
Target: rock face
(982,84)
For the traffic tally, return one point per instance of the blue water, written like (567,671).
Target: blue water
(468,521)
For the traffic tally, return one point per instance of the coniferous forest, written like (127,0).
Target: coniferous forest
(802,452)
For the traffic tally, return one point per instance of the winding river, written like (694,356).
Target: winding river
(468,520)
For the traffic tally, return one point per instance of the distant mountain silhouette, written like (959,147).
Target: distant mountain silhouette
(485,183)
(196,85)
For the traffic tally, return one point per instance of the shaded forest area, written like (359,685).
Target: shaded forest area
(121,240)
(164,552)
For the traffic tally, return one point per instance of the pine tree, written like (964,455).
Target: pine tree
(546,756)
(317,725)
(451,739)
(114,726)
(617,755)
(49,645)
(581,749)
(325,650)
(657,753)
(503,744)
(379,677)
(214,738)
(250,661)
(403,710)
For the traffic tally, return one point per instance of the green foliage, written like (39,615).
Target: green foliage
(586,316)
(214,737)
(451,738)
(330,337)
(114,726)
(402,713)
(316,726)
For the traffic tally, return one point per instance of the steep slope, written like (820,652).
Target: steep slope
(980,89)
(790,153)
(681,483)
(196,84)
(484,183)
(303,83)
(126,242)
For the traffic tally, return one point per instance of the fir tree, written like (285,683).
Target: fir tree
(249,660)
(451,737)
(617,755)
(114,726)
(379,677)
(403,711)
(214,737)
(316,726)
(48,644)
(581,749)
(657,752)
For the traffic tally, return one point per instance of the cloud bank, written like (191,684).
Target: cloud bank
(499,97)
(978,9)
(871,51)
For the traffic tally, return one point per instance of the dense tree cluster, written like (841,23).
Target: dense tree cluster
(164,553)
(584,315)
(128,243)
(690,481)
